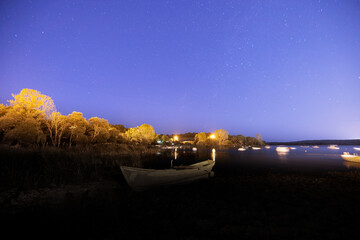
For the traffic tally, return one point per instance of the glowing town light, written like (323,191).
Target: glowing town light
(176,138)
(212,136)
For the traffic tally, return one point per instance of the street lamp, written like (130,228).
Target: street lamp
(176,138)
(212,136)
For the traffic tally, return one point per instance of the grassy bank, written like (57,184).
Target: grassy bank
(35,167)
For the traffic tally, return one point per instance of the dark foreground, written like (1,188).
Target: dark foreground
(251,204)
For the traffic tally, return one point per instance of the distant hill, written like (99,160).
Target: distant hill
(319,142)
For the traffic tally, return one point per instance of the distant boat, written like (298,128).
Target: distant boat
(141,179)
(282,149)
(315,146)
(256,148)
(242,149)
(292,148)
(267,147)
(357,148)
(333,147)
(194,149)
(350,157)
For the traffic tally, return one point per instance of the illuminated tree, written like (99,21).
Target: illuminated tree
(76,126)
(147,133)
(33,103)
(200,138)
(143,134)
(119,127)
(56,126)
(100,130)
(221,136)
(28,132)
(133,135)
(238,140)
(3,110)
(116,136)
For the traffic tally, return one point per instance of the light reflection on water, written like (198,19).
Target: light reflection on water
(282,155)
(321,157)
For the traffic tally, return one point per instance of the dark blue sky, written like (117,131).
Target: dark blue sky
(289,70)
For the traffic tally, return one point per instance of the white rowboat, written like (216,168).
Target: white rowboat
(141,179)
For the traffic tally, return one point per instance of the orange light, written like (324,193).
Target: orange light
(176,138)
(212,136)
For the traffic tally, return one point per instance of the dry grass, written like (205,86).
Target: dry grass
(45,166)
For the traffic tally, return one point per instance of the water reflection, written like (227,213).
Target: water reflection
(283,155)
(352,165)
(232,158)
(176,153)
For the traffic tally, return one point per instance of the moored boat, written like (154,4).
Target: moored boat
(315,146)
(141,179)
(350,157)
(256,148)
(241,149)
(333,147)
(357,148)
(282,149)
(267,147)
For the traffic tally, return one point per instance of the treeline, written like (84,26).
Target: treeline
(221,137)
(31,119)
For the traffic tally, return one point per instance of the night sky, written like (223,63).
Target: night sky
(289,70)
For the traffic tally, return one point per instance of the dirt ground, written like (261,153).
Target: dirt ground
(250,204)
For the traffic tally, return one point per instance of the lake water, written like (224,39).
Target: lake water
(302,157)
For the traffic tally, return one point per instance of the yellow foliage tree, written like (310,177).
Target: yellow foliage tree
(200,138)
(27,133)
(33,102)
(56,126)
(133,135)
(22,120)
(3,110)
(147,133)
(143,134)
(100,130)
(221,136)
(76,126)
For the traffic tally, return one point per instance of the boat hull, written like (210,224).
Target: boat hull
(351,158)
(141,179)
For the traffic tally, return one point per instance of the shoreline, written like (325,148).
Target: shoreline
(254,203)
